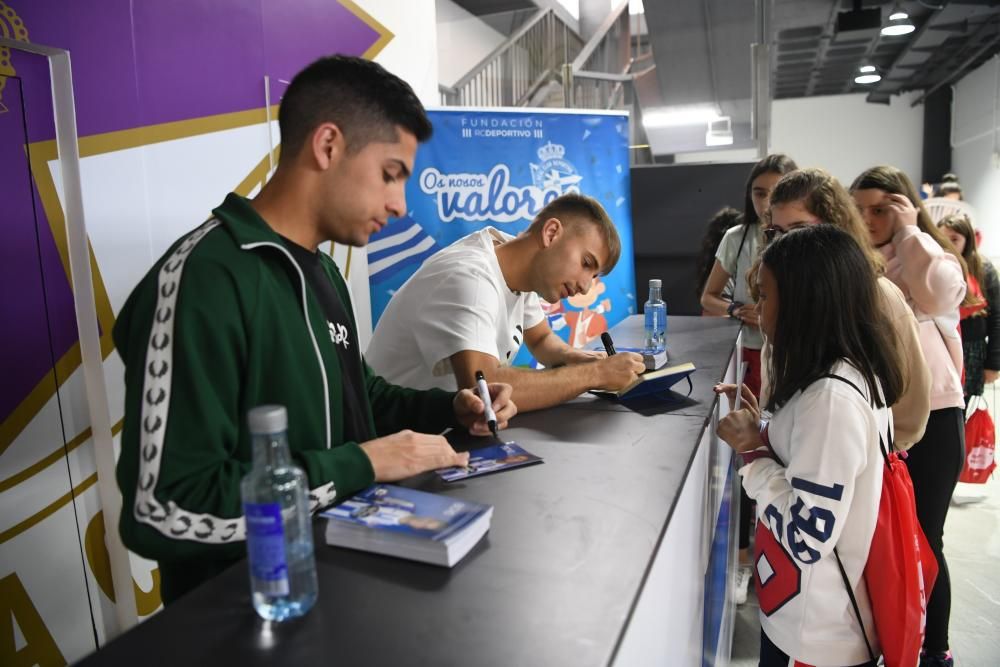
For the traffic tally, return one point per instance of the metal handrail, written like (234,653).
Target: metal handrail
(602,69)
(514,72)
(595,75)
(503,47)
(580,62)
(602,76)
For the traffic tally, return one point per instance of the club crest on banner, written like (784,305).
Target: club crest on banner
(555,172)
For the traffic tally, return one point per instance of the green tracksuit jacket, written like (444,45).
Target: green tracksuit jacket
(223,322)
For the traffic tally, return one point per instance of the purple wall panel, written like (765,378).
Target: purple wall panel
(98,35)
(135,64)
(197,58)
(297,33)
(23,336)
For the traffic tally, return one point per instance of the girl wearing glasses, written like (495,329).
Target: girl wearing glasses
(925,266)
(726,293)
(809,196)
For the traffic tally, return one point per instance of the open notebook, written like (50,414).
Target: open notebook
(652,382)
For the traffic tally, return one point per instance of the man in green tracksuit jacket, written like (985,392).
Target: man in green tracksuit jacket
(245,311)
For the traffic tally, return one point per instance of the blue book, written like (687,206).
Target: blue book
(651,382)
(406,523)
(487,460)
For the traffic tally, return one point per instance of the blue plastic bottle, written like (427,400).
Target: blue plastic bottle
(279,533)
(656,319)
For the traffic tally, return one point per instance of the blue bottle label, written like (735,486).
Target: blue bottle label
(266,548)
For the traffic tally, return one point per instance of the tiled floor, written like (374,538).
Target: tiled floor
(972,546)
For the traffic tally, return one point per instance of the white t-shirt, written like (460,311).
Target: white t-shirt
(457,300)
(736,263)
(826,495)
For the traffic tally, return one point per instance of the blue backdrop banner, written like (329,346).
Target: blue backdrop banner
(499,168)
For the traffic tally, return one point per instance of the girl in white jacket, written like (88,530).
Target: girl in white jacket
(931,275)
(815,469)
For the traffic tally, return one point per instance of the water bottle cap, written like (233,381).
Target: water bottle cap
(268,419)
(655,282)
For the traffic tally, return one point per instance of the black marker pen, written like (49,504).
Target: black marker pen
(484,393)
(609,347)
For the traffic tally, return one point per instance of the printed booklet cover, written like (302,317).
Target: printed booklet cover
(406,523)
(490,460)
(651,382)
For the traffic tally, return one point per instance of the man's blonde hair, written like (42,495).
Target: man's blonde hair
(573,210)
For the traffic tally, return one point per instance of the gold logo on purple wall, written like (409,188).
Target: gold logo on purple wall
(11,27)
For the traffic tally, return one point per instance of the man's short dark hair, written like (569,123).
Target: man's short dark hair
(573,209)
(364,100)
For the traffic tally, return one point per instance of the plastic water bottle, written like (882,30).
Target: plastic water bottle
(279,532)
(656,319)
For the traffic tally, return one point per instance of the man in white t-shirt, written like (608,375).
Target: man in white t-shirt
(471,306)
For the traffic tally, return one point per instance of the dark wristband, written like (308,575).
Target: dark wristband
(732,308)
(753,455)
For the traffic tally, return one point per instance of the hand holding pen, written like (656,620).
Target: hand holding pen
(470,408)
(609,345)
(618,370)
(484,394)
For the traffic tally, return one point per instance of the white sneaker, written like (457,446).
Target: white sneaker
(743,576)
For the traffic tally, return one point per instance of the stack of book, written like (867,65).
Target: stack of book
(406,523)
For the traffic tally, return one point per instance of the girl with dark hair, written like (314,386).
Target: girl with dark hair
(925,266)
(810,196)
(720,223)
(736,254)
(814,468)
(980,322)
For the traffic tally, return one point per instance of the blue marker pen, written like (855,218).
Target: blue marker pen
(484,393)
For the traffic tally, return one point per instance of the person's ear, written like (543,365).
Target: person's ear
(551,231)
(328,145)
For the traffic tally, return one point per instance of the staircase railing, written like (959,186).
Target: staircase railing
(603,76)
(607,53)
(545,53)
(512,73)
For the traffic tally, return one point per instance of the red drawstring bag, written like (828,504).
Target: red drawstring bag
(901,569)
(980,443)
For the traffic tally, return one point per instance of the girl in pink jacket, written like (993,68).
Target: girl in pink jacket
(931,275)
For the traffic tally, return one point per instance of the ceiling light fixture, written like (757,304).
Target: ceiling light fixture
(899,24)
(867,75)
(720,132)
(680,115)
